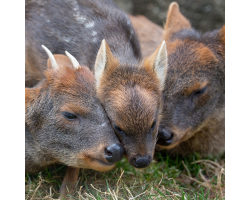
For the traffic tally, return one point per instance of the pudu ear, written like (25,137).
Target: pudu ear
(104,61)
(222,35)
(158,62)
(221,38)
(175,21)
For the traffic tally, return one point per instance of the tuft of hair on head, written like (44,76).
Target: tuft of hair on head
(51,58)
(104,60)
(175,21)
(158,61)
(73,60)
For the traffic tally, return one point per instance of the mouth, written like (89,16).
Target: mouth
(164,142)
(102,162)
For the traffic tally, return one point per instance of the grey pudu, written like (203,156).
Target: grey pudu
(193,117)
(65,122)
(128,88)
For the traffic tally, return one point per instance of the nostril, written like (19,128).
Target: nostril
(108,152)
(164,134)
(141,162)
(114,153)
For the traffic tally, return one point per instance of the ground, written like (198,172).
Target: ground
(165,178)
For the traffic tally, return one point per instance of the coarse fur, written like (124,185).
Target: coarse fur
(80,32)
(129,89)
(52,138)
(194,95)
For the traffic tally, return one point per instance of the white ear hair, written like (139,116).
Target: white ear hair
(73,60)
(161,63)
(51,57)
(100,63)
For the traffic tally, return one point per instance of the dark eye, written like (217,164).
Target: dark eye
(117,128)
(69,116)
(153,125)
(200,91)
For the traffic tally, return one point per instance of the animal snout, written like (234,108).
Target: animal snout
(141,161)
(114,153)
(165,137)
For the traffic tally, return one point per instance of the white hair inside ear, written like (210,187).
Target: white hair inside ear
(101,61)
(161,63)
(51,57)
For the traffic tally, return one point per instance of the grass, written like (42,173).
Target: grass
(165,178)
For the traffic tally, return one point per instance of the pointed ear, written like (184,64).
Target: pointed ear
(222,35)
(104,61)
(221,38)
(158,63)
(175,21)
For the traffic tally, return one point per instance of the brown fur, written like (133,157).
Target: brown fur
(51,138)
(149,34)
(195,62)
(175,20)
(131,97)
(204,54)
(81,32)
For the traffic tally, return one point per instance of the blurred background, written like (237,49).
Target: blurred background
(204,15)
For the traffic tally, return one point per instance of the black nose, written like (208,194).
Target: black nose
(165,137)
(114,153)
(141,161)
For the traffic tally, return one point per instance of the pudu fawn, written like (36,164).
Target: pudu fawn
(65,122)
(101,36)
(193,116)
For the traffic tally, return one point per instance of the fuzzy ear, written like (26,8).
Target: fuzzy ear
(222,35)
(104,60)
(158,61)
(175,21)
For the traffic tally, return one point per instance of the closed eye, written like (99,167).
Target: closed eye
(69,116)
(153,125)
(200,91)
(118,129)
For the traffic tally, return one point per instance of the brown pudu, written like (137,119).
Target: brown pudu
(132,99)
(65,122)
(193,117)
(129,89)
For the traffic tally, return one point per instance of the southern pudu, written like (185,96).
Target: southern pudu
(65,122)
(193,117)
(101,36)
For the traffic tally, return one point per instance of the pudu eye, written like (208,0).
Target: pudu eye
(200,91)
(153,125)
(69,116)
(118,129)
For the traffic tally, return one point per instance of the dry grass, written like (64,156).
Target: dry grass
(165,178)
